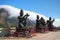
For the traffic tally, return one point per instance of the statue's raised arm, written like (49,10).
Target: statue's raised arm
(26,16)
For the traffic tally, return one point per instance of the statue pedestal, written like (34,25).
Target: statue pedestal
(20,31)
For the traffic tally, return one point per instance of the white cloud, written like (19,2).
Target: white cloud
(14,12)
(57,22)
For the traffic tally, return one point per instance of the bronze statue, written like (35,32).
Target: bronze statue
(22,19)
(37,23)
(40,24)
(50,23)
(21,23)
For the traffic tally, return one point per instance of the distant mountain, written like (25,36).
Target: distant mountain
(3,16)
(14,13)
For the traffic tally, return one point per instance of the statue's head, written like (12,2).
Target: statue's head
(42,18)
(27,14)
(49,18)
(21,12)
(37,16)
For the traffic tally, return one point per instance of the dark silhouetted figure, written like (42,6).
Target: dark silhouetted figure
(50,24)
(21,22)
(42,24)
(21,19)
(37,23)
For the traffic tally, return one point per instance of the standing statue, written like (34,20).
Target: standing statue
(21,22)
(42,24)
(50,24)
(22,19)
(37,23)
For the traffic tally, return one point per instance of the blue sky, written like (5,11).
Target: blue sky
(45,7)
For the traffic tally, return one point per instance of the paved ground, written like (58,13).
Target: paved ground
(40,36)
